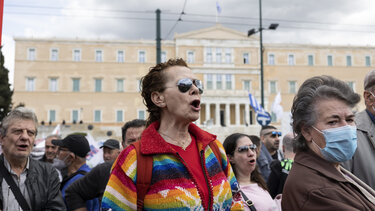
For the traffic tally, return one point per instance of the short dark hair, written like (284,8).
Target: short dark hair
(155,81)
(266,127)
(256,140)
(312,91)
(133,123)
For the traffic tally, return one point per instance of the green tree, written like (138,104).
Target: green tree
(5,92)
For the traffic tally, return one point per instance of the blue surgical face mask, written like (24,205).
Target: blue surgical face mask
(341,143)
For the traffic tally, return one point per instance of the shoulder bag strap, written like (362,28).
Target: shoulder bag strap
(144,174)
(248,202)
(15,189)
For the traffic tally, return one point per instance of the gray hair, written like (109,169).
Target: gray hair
(53,136)
(20,113)
(313,90)
(369,81)
(288,142)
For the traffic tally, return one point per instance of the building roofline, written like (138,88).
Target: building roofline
(173,42)
(87,40)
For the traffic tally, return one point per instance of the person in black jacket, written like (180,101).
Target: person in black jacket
(38,182)
(280,169)
(93,184)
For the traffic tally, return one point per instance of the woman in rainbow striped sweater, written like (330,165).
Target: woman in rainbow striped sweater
(186,173)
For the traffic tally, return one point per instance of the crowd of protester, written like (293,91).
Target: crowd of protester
(168,162)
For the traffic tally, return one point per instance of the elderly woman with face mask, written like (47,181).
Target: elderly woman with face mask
(323,121)
(186,172)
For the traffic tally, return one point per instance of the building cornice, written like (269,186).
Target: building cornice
(91,41)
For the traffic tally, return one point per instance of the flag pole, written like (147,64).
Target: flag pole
(1,19)
(218,11)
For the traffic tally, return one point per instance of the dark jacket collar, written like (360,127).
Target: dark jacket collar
(29,162)
(364,121)
(311,160)
(153,143)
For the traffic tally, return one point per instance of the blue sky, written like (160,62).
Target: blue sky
(342,22)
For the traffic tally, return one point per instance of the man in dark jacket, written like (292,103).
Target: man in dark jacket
(362,163)
(280,169)
(37,182)
(269,136)
(73,150)
(93,184)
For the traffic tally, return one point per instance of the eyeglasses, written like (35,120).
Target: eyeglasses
(246,148)
(185,84)
(274,134)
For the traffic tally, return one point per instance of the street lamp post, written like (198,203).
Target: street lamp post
(273,26)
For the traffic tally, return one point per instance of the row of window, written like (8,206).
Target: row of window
(211,82)
(225,81)
(77,55)
(292,86)
(215,82)
(75,115)
(311,60)
(76,84)
(213,55)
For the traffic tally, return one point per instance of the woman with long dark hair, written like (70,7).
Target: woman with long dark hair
(241,152)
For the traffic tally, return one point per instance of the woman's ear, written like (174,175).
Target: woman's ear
(230,158)
(158,99)
(306,132)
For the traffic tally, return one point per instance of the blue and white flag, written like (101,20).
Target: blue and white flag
(256,106)
(218,8)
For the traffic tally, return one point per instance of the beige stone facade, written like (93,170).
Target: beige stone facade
(97,81)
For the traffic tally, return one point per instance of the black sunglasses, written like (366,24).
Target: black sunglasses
(246,148)
(274,134)
(185,84)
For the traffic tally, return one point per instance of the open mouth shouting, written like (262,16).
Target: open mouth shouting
(22,147)
(252,161)
(196,105)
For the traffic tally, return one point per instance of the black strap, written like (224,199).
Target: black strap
(248,202)
(15,189)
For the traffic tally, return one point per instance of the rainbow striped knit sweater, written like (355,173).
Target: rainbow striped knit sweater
(172,187)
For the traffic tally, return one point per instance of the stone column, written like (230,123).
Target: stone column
(237,106)
(208,112)
(217,114)
(227,115)
(247,114)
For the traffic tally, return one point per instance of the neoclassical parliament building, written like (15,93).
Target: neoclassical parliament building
(98,81)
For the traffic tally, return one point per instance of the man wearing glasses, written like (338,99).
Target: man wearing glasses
(270,139)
